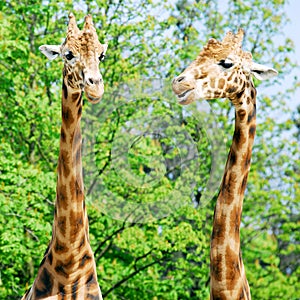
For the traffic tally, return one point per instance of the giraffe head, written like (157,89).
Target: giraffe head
(221,70)
(81,52)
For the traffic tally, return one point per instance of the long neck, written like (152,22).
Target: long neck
(228,278)
(68,267)
(70,220)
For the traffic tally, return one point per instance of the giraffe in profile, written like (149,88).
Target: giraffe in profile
(224,70)
(68,269)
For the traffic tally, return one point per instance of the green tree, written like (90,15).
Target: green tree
(140,146)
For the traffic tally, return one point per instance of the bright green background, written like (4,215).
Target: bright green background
(166,258)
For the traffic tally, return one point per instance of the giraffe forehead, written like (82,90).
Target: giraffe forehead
(86,44)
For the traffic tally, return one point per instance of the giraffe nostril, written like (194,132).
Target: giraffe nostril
(91,81)
(181,78)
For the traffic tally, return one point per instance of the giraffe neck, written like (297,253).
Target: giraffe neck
(228,278)
(68,267)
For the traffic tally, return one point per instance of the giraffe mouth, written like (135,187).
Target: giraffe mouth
(184,98)
(184,94)
(93,99)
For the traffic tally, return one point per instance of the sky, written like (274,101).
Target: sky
(292,30)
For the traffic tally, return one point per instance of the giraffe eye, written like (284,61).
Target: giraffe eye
(225,63)
(102,57)
(69,55)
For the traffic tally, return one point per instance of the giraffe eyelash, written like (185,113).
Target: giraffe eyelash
(225,63)
(102,57)
(69,55)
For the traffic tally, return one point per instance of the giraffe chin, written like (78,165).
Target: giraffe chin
(93,99)
(187,97)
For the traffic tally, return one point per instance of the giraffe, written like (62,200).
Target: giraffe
(224,70)
(68,269)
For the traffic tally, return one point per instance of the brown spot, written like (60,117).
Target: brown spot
(221,83)
(67,116)
(79,191)
(200,75)
(82,243)
(74,290)
(50,257)
(227,187)
(239,94)
(86,258)
(59,268)
(65,90)
(230,77)
(92,297)
(232,89)
(61,289)
(216,267)
(212,83)
(233,272)
(247,160)
(79,100)
(217,295)
(241,114)
(252,130)
(238,137)
(64,163)
(75,96)
(61,225)
(235,221)
(253,93)
(76,225)
(91,280)
(60,247)
(65,267)
(243,185)
(248,100)
(62,135)
(252,114)
(218,233)
(46,285)
(79,111)
(61,196)
(236,79)
(232,157)
(76,190)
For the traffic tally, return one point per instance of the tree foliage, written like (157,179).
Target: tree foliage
(151,167)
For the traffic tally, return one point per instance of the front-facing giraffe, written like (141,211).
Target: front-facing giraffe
(68,269)
(224,70)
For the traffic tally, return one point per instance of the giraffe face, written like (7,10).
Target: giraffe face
(81,52)
(221,70)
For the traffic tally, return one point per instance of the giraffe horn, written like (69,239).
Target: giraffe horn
(234,40)
(72,27)
(240,36)
(88,23)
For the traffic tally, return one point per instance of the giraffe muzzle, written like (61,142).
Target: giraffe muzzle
(94,89)
(184,90)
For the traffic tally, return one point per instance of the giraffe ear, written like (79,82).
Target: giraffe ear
(51,51)
(262,72)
